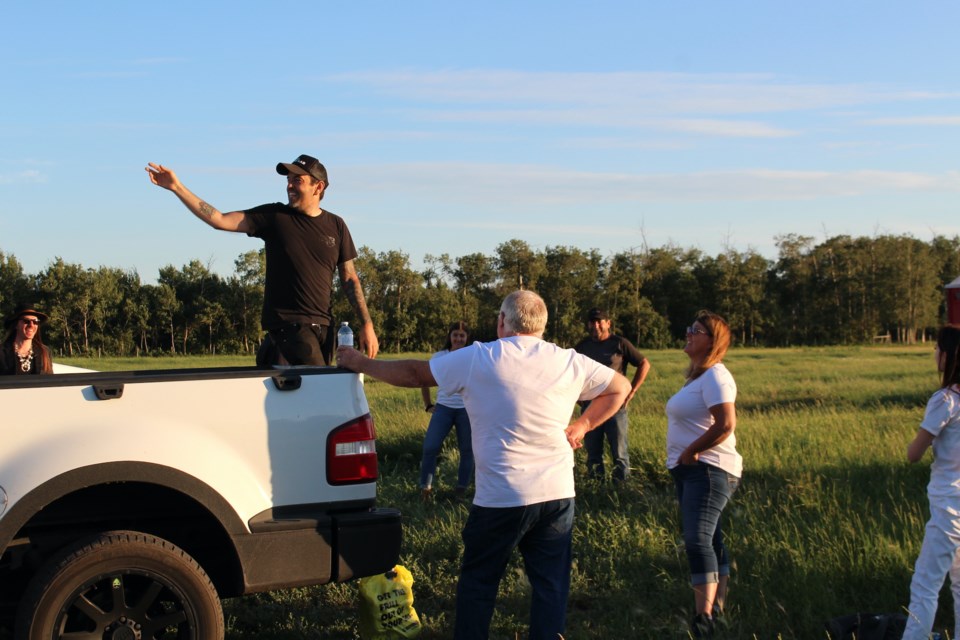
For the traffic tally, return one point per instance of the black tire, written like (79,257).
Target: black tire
(118,579)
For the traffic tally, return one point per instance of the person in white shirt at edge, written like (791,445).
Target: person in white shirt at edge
(519,391)
(939,429)
(703,460)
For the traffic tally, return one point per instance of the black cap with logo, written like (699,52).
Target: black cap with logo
(304,165)
(597,314)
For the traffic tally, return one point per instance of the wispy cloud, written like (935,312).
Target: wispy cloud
(700,105)
(534,226)
(159,60)
(107,75)
(612,117)
(642,92)
(22,177)
(542,185)
(923,121)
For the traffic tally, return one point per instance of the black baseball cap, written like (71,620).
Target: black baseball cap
(304,165)
(597,314)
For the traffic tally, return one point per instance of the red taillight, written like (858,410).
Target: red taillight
(352,452)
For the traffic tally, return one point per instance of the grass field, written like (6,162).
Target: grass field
(828,519)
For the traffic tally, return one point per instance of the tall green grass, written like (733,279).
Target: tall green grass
(828,519)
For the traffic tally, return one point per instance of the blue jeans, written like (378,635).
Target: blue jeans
(703,491)
(543,533)
(443,419)
(614,431)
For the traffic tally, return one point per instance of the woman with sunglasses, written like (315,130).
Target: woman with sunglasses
(23,351)
(703,460)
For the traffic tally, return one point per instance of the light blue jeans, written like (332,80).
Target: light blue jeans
(441,422)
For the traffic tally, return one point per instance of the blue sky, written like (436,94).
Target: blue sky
(452,127)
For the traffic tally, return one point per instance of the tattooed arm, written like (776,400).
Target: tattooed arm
(165,177)
(350,282)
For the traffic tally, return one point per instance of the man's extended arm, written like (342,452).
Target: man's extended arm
(400,373)
(166,178)
(350,282)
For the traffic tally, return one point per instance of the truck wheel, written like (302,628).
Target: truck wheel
(121,585)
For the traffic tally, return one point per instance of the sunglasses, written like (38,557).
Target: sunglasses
(695,330)
(30,321)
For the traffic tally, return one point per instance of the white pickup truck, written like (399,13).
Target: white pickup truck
(132,502)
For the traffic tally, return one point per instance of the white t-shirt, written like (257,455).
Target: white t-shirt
(444,397)
(519,393)
(942,419)
(688,417)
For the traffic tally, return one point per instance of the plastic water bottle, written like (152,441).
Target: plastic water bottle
(345,335)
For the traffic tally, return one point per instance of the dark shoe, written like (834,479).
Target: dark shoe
(717,614)
(426,494)
(721,624)
(701,626)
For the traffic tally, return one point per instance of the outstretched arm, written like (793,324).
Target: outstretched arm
(165,177)
(400,373)
(350,282)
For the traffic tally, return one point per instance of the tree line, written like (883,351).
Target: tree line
(844,290)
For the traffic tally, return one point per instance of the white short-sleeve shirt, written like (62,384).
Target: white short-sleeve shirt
(519,393)
(688,417)
(942,419)
(444,397)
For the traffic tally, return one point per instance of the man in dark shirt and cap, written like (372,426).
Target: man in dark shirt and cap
(304,245)
(615,352)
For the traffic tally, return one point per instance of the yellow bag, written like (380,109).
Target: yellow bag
(386,606)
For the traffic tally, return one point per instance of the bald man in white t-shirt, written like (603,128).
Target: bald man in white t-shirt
(519,392)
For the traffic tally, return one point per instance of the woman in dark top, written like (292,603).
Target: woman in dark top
(23,352)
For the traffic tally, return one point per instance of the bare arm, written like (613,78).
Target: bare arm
(400,373)
(427,402)
(921,442)
(600,410)
(638,377)
(350,282)
(166,178)
(724,422)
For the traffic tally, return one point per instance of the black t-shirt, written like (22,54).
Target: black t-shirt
(615,352)
(302,254)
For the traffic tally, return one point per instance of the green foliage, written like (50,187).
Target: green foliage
(828,519)
(844,290)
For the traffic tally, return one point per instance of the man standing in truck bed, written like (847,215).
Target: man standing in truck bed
(304,244)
